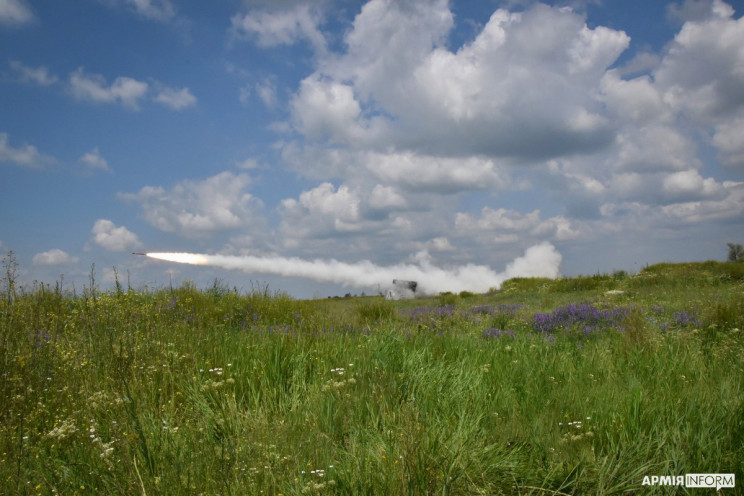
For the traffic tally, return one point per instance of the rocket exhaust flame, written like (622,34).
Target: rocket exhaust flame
(541,260)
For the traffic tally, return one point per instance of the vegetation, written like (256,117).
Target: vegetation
(736,252)
(571,386)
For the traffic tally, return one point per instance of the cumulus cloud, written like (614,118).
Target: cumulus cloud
(154,10)
(431,173)
(266,91)
(39,75)
(114,238)
(402,123)
(689,10)
(637,100)
(176,99)
(126,91)
(199,208)
(730,206)
(54,257)
(159,10)
(370,218)
(15,12)
(689,183)
(463,102)
(93,160)
(93,87)
(282,26)
(386,198)
(26,155)
(703,73)
(321,211)
(324,109)
(729,140)
(654,148)
(509,225)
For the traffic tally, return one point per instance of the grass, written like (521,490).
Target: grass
(212,392)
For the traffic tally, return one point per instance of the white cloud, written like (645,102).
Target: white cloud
(690,10)
(27,155)
(158,10)
(154,10)
(655,148)
(249,163)
(397,85)
(282,27)
(325,109)
(54,257)
(690,184)
(93,87)
(321,211)
(509,225)
(176,99)
(199,208)
(385,198)
(38,75)
(112,238)
(729,140)
(325,199)
(15,12)
(399,119)
(636,100)
(267,92)
(703,73)
(729,207)
(95,161)
(431,173)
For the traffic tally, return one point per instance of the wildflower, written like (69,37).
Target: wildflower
(497,333)
(63,431)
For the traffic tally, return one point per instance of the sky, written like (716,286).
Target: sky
(507,138)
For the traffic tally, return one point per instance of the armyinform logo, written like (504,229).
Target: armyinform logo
(716,481)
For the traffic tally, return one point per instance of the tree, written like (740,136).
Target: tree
(736,252)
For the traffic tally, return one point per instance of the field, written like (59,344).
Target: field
(547,387)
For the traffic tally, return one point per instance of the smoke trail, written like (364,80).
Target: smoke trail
(541,260)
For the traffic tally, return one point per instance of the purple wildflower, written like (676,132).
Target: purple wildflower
(589,317)
(492,332)
(483,309)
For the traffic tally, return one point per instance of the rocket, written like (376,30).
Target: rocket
(135,253)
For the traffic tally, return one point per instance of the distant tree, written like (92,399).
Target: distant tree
(736,252)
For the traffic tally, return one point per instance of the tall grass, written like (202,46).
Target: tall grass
(213,392)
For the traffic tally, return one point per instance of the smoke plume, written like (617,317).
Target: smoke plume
(542,260)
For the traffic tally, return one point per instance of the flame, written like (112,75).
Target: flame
(187,258)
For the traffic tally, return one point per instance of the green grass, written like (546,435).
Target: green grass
(212,392)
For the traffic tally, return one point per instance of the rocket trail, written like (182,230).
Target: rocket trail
(541,260)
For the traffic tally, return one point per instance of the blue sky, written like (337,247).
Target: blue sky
(419,132)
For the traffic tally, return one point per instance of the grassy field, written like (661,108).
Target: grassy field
(547,387)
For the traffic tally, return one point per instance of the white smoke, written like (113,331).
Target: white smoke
(542,260)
